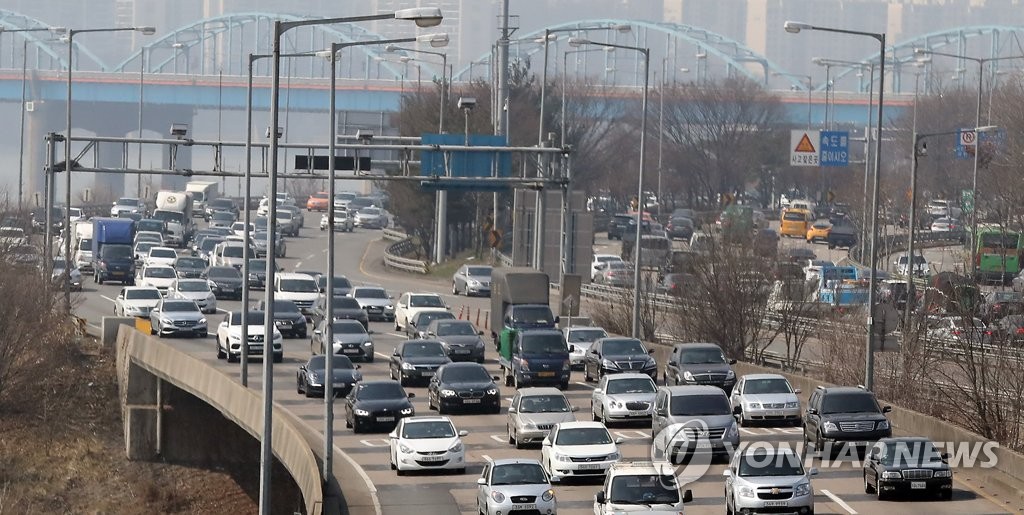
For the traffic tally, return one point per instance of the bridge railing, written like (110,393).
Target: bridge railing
(394,255)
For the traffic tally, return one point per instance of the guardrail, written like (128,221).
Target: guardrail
(504,259)
(393,255)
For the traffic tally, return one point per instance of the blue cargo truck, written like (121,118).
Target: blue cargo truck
(112,255)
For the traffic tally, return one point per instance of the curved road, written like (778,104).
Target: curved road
(838,489)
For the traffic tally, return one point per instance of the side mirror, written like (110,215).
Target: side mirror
(673,363)
(393,434)
(944,456)
(650,351)
(546,442)
(431,333)
(554,480)
(687,496)
(886,409)
(736,410)
(511,409)
(557,319)
(572,348)
(495,378)
(369,331)
(395,354)
(463,433)
(358,367)
(727,473)
(732,362)
(574,409)
(797,391)
(479,333)
(481,481)
(618,441)
(412,395)
(599,498)
(598,390)
(813,471)
(317,332)
(812,411)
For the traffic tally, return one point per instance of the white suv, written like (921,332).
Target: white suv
(762,479)
(641,487)
(298,288)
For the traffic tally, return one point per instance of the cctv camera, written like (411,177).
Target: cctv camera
(467,102)
(179,130)
(923,151)
(280,132)
(364,135)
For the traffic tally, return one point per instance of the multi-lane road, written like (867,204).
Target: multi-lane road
(838,490)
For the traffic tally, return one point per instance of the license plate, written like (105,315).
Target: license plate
(471,401)
(385,419)
(524,506)
(918,485)
(703,444)
(776,504)
(431,458)
(588,466)
(351,351)
(637,413)
(427,373)
(545,374)
(462,351)
(775,413)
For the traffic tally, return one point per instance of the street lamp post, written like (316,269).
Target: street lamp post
(423,17)
(794,28)
(810,90)
(70,35)
(637,248)
(981,61)
(661,126)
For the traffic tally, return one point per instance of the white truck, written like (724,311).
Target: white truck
(82,245)
(202,192)
(175,208)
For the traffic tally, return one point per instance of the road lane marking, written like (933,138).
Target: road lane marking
(585,384)
(632,435)
(373,442)
(397,335)
(486,457)
(108,298)
(311,256)
(500,438)
(298,265)
(835,498)
(381,355)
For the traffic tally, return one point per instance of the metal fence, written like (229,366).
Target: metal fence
(402,246)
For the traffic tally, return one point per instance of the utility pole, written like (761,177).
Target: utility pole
(501,125)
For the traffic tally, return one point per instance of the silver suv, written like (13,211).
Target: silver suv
(768,480)
(693,419)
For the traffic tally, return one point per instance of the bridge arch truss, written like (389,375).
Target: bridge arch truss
(43,49)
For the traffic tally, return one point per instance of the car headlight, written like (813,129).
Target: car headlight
(614,456)
(473,282)
(548,495)
(607,363)
(529,425)
(732,432)
(746,491)
(561,457)
(891,475)
(408,366)
(943,473)
(202,321)
(651,362)
(166,321)
(492,391)
(456,447)
(802,489)
(687,375)
(792,405)
(277,337)
(612,403)
(367,344)
(754,405)
(829,427)
(566,365)
(883,425)
(404,448)
(447,393)
(407,411)
(730,375)
(362,413)
(497,496)
(389,306)
(234,337)
(254,277)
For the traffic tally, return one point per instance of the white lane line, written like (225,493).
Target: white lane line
(311,256)
(835,498)
(397,335)
(298,265)
(486,457)
(108,298)
(381,355)
(581,383)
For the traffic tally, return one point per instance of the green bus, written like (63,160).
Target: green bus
(997,254)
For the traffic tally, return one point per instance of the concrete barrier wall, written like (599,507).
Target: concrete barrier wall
(242,406)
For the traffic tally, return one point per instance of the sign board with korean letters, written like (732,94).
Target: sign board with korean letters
(803,150)
(834,149)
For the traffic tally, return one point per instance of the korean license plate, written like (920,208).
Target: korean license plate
(775,413)
(471,401)
(385,419)
(703,444)
(776,504)
(545,374)
(524,506)
(462,351)
(427,373)
(918,485)
(588,466)
(431,458)
(637,413)
(351,351)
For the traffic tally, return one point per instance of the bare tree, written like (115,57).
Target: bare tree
(791,307)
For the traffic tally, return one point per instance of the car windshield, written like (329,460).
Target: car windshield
(630,385)
(209,243)
(543,344)
(339,282)
(257,265)
(622,346)
(583,436)
(544,404)
(143,294)
(700,405)
(345,303)
(179,306)
(422,350)
(193,286)
(338,362)
(223,215)
(143,247)
(532,315)
(794,217)
(586,335)
(370,293)
(766,386)
(429,429)
(163,272)
(190,262)
(162,253)
(759,463)
(58,264)
(425,318)
(223,272)
(371,211)
(254,318)
(849,403)
(380,391)
(425,301)
(127,202)
(479,271)
(518,474)
(116,252)
(466,374)
(644,489)
(233,251)
(298,285)
(456,328)
(348,327)
(168,216)
(913,453)
(702,357)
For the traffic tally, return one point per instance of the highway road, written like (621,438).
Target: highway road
(838,489)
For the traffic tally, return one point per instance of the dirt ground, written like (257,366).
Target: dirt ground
(68,456)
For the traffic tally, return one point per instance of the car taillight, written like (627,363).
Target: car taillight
(989,333)
(1020,330)
(955,332)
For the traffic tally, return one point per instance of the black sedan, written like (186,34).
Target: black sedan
(189,267)
(418,324)
(461,340)
(258,272)
(343,308)
(310,378)
(909,465)
(377,405)
(464,386)
(287,317)
(417,360)
(342,286)
(615,355)
(227,282)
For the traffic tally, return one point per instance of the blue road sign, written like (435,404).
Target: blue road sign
(465,164)
(834,149)
(965,143)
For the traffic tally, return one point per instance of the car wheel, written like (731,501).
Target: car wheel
(399,471)
(298,386)
(879,494)
(868,489)
(369,359)
(356,428)
(309,393)
(946,495)
(586,374)
(455,290)
(440,408)
(233,358)
(278,358)
(511,439)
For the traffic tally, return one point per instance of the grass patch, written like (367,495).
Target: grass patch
(447,269)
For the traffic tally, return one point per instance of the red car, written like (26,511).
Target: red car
(318,201)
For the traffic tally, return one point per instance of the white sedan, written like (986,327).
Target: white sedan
(427,443)
(579,449)
(161,256)
(197,290)
(136,301)
(597,264)
(159,277)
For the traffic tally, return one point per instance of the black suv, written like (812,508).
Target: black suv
(700,363)
(844,415)
(910,465)
(617,355)
(617,225)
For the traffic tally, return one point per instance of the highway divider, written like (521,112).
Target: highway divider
(394,255)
